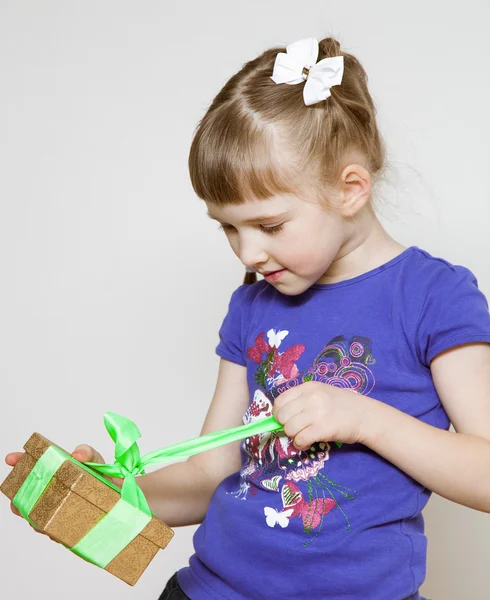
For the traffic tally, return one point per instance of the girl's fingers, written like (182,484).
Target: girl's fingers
(85,453)
(296,424)
(117,481)
(14,509)
(13,458)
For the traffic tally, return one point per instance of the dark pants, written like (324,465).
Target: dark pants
(173,591)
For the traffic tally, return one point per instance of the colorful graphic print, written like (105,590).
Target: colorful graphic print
(274,463)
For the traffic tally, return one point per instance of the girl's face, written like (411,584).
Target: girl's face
(299,238)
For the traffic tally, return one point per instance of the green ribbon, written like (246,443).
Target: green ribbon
(131,513)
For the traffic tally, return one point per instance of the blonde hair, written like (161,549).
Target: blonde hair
(258,139)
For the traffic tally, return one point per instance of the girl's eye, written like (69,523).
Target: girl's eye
(268,230)
(274,229)
(226,227)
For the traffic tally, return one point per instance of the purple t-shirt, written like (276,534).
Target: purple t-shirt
(332,523)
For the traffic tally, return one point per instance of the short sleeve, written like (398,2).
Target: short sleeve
(230,334)
(455,312)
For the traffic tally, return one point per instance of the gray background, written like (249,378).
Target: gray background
(114,283)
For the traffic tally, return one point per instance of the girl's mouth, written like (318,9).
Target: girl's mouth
(274,275)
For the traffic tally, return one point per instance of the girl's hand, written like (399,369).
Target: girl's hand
(318,412)
(85,453)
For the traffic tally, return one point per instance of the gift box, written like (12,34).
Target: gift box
(75,501)
(76,505)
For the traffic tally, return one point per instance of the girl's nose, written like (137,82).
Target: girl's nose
(252,254)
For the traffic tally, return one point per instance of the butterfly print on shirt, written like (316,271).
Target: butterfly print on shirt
(274,464)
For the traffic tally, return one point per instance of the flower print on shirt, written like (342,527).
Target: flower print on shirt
(274,464)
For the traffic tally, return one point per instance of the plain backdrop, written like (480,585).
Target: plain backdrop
(113,281)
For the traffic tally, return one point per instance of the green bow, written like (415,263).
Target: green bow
(124,434)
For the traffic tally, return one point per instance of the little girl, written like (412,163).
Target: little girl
(365,350)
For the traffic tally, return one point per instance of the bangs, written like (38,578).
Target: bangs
(233,158)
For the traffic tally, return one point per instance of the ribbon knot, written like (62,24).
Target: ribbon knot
(128,464)
(128,472)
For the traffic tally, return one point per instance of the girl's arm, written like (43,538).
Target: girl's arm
(180,493)
(453,465)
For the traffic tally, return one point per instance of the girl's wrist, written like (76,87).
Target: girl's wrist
(371,420)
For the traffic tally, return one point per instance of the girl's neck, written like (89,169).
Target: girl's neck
(370,246)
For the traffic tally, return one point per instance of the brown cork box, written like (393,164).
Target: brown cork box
(74,501)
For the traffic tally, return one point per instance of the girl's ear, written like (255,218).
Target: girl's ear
(355,189)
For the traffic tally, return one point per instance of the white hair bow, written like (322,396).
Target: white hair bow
(301,56)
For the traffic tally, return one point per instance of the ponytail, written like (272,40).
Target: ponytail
(250,277)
